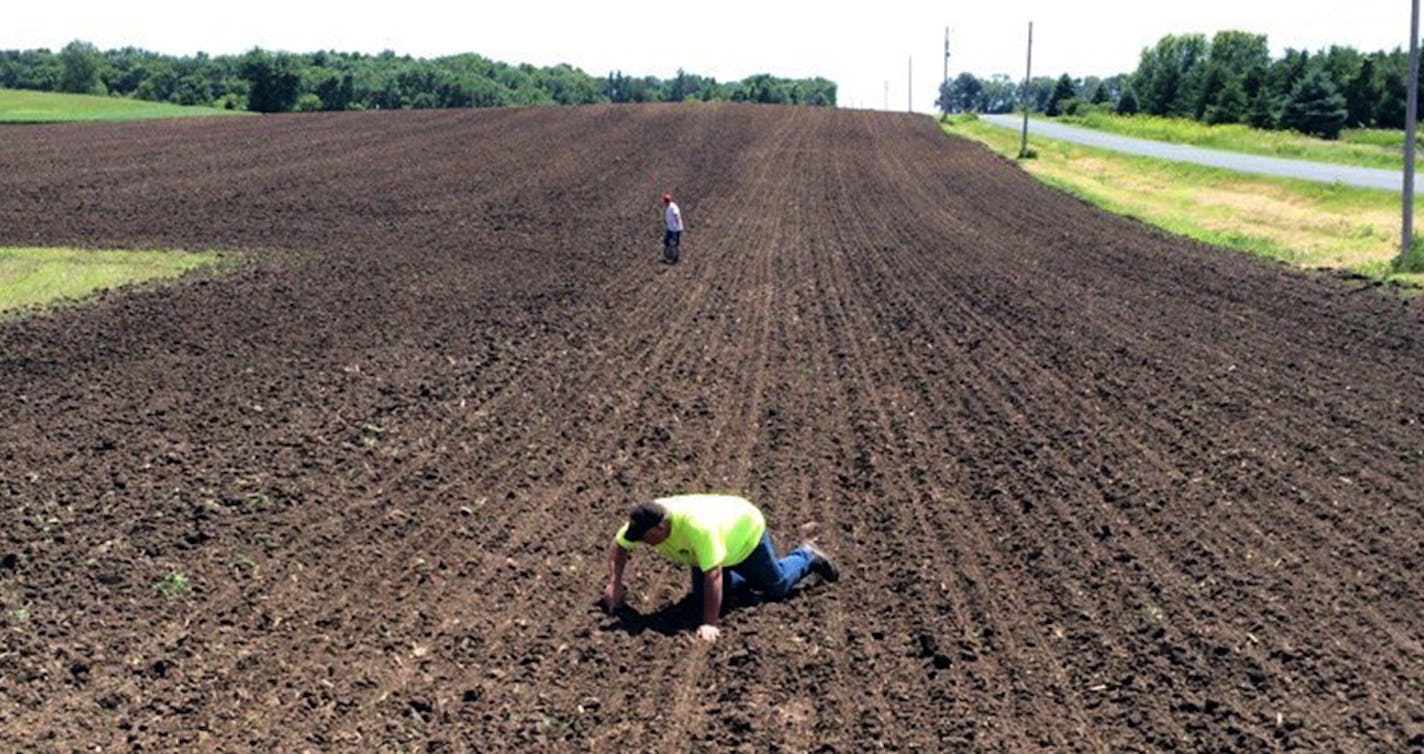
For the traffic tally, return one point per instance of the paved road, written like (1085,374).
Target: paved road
(1389,180)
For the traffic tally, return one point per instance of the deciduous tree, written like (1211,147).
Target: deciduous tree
(82,67)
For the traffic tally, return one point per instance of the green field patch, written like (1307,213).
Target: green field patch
(31,277)
(23,106)
(1304,224)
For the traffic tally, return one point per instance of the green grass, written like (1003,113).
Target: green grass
(38,277)
(1379,137)
(22,106)
(1370,148)
(173,586)
(1308,225)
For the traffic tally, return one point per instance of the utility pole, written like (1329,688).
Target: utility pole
(910,93)
(1406,239)
(1028,77)
(944,85)
(887,95)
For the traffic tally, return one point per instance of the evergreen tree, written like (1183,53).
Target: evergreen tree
(1158,77)
(1062,91)
(1210,90)
(1230,106)
(1391,92)
(1359,95)
(1263,110)
(679,87)
(1285,73)
(1192,62)
(1127,103)
(619,87)
(1315,107)
(1169,76)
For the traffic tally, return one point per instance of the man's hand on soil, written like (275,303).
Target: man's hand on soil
(708,633)
(613,596)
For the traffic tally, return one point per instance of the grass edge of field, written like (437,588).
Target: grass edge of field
(1377,271)
(1364,148)
(23,107)
(69,276)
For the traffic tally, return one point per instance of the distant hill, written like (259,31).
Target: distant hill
(20,106)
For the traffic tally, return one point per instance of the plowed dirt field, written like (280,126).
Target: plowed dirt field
(1091,488)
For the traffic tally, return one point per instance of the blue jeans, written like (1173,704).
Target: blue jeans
(762,570)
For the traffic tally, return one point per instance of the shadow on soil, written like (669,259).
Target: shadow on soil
(682,616)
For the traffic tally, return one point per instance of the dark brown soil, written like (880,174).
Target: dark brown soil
(1091,488)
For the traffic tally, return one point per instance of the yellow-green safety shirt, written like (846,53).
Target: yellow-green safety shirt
(707,530)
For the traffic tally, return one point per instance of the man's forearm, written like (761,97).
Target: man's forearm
(617,560)
(711,596)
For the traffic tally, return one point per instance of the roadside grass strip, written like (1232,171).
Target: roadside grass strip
(1360,147)
(33,277)
(23,106)
(1304,224)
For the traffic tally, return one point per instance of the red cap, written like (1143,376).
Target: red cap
(667,197)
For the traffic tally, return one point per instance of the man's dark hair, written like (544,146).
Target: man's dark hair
(642,518)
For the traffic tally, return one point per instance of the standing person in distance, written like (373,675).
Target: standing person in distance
(672,237)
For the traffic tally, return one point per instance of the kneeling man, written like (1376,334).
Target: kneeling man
(723,540)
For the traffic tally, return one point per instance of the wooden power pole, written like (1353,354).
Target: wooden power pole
(1028,77)
(944,84)
(1406,239)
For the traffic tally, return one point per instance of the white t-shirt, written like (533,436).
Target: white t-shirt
(674,217)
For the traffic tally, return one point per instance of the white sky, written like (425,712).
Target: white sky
(865,47)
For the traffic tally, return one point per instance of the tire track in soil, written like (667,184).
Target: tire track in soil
(739,297)
(803,630)
(871,234)
(820,290)
(866,444)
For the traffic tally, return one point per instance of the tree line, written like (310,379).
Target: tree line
(1230,78)
(274,82)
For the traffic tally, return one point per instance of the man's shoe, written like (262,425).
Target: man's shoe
(821,563)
